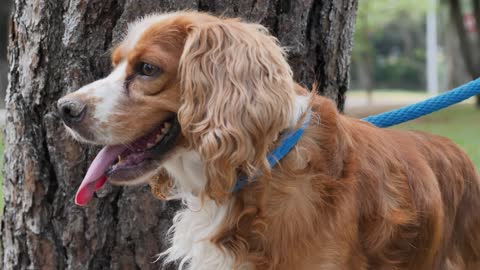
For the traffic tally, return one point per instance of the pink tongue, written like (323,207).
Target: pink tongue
(95,177)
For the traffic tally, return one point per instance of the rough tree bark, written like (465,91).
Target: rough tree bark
(58,46)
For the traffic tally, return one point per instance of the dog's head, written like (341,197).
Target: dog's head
(219,87)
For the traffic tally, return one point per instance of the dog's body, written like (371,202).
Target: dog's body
(351,196)
(348,196)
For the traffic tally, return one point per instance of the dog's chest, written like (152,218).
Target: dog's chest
(192,230)
(194,226)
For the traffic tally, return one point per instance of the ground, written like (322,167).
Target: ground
(459,123)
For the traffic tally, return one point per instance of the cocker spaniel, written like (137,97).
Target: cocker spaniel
(196,102)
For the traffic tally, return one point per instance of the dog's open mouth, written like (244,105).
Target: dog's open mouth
(120,163)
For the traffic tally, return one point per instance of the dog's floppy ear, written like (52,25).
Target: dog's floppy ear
(237,95)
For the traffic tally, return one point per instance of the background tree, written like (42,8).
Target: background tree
(58,46)
(469,42)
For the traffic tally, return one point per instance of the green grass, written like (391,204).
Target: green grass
(460,123)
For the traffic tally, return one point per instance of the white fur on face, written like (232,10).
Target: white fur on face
(109,90)
(106,93)
(137,28)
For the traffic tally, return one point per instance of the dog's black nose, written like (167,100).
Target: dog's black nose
(71,111)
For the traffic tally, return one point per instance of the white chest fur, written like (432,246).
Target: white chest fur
(194,226)
(190,237)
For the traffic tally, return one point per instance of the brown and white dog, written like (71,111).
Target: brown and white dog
(195,100)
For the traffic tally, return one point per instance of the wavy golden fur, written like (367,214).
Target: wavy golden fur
(348,196)
(233,107)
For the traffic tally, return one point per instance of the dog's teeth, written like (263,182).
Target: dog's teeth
(165,130)
(119,158)
(150,145)
(167,125)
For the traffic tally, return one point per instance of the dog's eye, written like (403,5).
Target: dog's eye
(145,69)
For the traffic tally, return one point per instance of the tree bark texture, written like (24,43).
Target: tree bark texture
(57,46)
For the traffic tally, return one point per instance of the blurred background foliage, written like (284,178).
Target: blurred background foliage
(388,68)
(390,44)
(389,49)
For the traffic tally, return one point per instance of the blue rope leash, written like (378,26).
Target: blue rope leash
(288,141)
(425,107)
(385,119)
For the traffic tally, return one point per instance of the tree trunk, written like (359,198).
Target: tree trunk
(58,46)
(469,54)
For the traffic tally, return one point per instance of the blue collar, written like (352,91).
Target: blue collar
(287,142)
